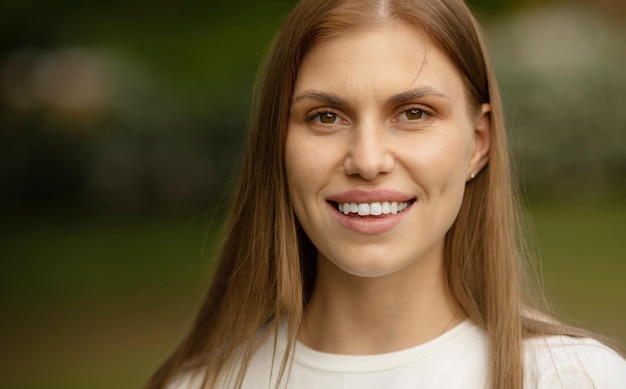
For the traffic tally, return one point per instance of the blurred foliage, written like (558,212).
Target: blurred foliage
(126,107)
(142,107)
(561,74)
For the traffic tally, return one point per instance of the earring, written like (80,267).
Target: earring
(472,175)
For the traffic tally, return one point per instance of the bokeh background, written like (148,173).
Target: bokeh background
(121,124)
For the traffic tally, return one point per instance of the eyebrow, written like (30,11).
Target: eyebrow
(322,97)
(332,99)
(416,93)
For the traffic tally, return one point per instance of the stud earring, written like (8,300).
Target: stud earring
(472,175)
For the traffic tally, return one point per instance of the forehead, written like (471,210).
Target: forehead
(384,59)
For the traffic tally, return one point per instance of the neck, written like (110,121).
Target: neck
(348,314)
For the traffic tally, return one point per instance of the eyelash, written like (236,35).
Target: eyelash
(318,114)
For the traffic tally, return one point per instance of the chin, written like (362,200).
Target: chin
(371,267)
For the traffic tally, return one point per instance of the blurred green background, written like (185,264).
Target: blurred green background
(120,128)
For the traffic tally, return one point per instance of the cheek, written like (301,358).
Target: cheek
(303,167)
(443,159)
(293,169)
(311,160)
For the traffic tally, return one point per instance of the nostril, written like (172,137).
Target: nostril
(368,162)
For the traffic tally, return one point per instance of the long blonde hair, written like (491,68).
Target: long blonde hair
(267,267)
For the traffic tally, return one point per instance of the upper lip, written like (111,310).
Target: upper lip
(370,196)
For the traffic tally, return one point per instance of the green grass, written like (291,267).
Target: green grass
(98,304)
(583,255)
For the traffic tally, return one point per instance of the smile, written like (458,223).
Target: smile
(373,209)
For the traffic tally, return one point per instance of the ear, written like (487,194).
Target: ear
(482,136)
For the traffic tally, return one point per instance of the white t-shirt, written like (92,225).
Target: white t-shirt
(456,359)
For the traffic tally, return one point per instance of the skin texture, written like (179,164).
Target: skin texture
(384,112)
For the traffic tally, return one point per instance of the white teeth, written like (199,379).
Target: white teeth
(376,209)
(373,209)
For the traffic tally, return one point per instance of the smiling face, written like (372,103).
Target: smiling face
(380,143)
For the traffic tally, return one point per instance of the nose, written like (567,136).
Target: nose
(368,154)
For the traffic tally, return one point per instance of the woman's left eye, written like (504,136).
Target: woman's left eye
(412,114)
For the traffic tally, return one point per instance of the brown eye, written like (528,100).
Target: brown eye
(327,117)
(414,114)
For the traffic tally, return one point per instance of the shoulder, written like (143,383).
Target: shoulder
(569,362)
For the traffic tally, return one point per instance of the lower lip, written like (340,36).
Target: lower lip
(370,225)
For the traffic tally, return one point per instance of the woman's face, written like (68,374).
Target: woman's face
(381,141)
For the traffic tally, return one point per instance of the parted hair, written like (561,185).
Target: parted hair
(266,266)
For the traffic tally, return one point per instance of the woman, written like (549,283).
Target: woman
(372,238)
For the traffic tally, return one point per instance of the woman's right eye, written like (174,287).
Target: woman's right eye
(325,117)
